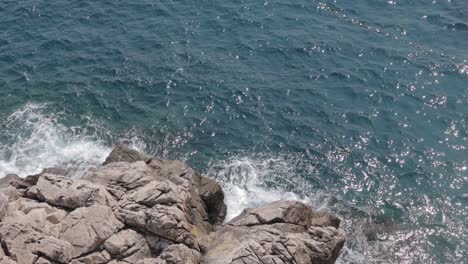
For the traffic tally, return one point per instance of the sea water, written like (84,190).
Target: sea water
(355,107)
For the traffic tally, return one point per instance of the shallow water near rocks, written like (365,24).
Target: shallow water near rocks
(357,107)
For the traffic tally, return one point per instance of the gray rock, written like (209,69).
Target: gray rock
(87,228)
(213,197)
(179,253)
(208,197)
(31,213)
(121,176)
(15,181)
(128,245)
(3,205)
(93,258)
(279,232)
(13,186)
(26,244)
(60,191)
(175,254)
(267,244)
(165,215)
(138,209)
(283,211)
(42,260)
(123,153)
(172,224)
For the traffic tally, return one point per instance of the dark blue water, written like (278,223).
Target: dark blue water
(358,107)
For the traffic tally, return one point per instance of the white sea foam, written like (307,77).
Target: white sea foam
(253,181)
(35,139)
(249,181)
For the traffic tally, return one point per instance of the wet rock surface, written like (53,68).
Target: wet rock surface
(139,209)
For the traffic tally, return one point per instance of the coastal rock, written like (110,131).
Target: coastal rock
(128,245)
(13,186)
(120,177)
(93,258)
(24,244)
(139,209)
(122,153)
(87,228)
(38,215)
(179,253)
(292,212)
(211,196)
(279,232)
(60,191)
(3,205)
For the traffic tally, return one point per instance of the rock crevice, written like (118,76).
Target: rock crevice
(140,209)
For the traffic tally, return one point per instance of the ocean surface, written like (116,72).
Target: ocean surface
(356,107)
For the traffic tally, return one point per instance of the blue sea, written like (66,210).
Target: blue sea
(355,107)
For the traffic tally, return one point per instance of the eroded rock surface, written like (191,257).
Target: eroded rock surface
(139,209)
(280,232)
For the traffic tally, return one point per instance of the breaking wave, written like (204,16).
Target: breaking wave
(34,138)
(250,182)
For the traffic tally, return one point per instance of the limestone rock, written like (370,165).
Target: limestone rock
(208,197)
(279,232)
(160,207)
(140,209)
(241,244)
(128,245)
(213,197)
(88,227)
(121,176)
(175,254)
(15,181)
(283,211)
(40,216)
(67,193)
(122,153)
(93,258)
(12,186)
(26,244)
(3,205)
(179,253)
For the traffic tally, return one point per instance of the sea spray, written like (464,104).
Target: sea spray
(247,182)
(34,139)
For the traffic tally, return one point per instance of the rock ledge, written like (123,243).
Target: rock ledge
(139,209)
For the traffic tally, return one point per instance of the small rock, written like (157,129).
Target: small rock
(283,211)
(123,153)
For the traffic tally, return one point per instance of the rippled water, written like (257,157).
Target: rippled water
(357,107)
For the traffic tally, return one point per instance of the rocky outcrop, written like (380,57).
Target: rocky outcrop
(139,209)
(122,153)
(280,232)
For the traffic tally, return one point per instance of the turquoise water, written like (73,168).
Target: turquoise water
(357,107)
